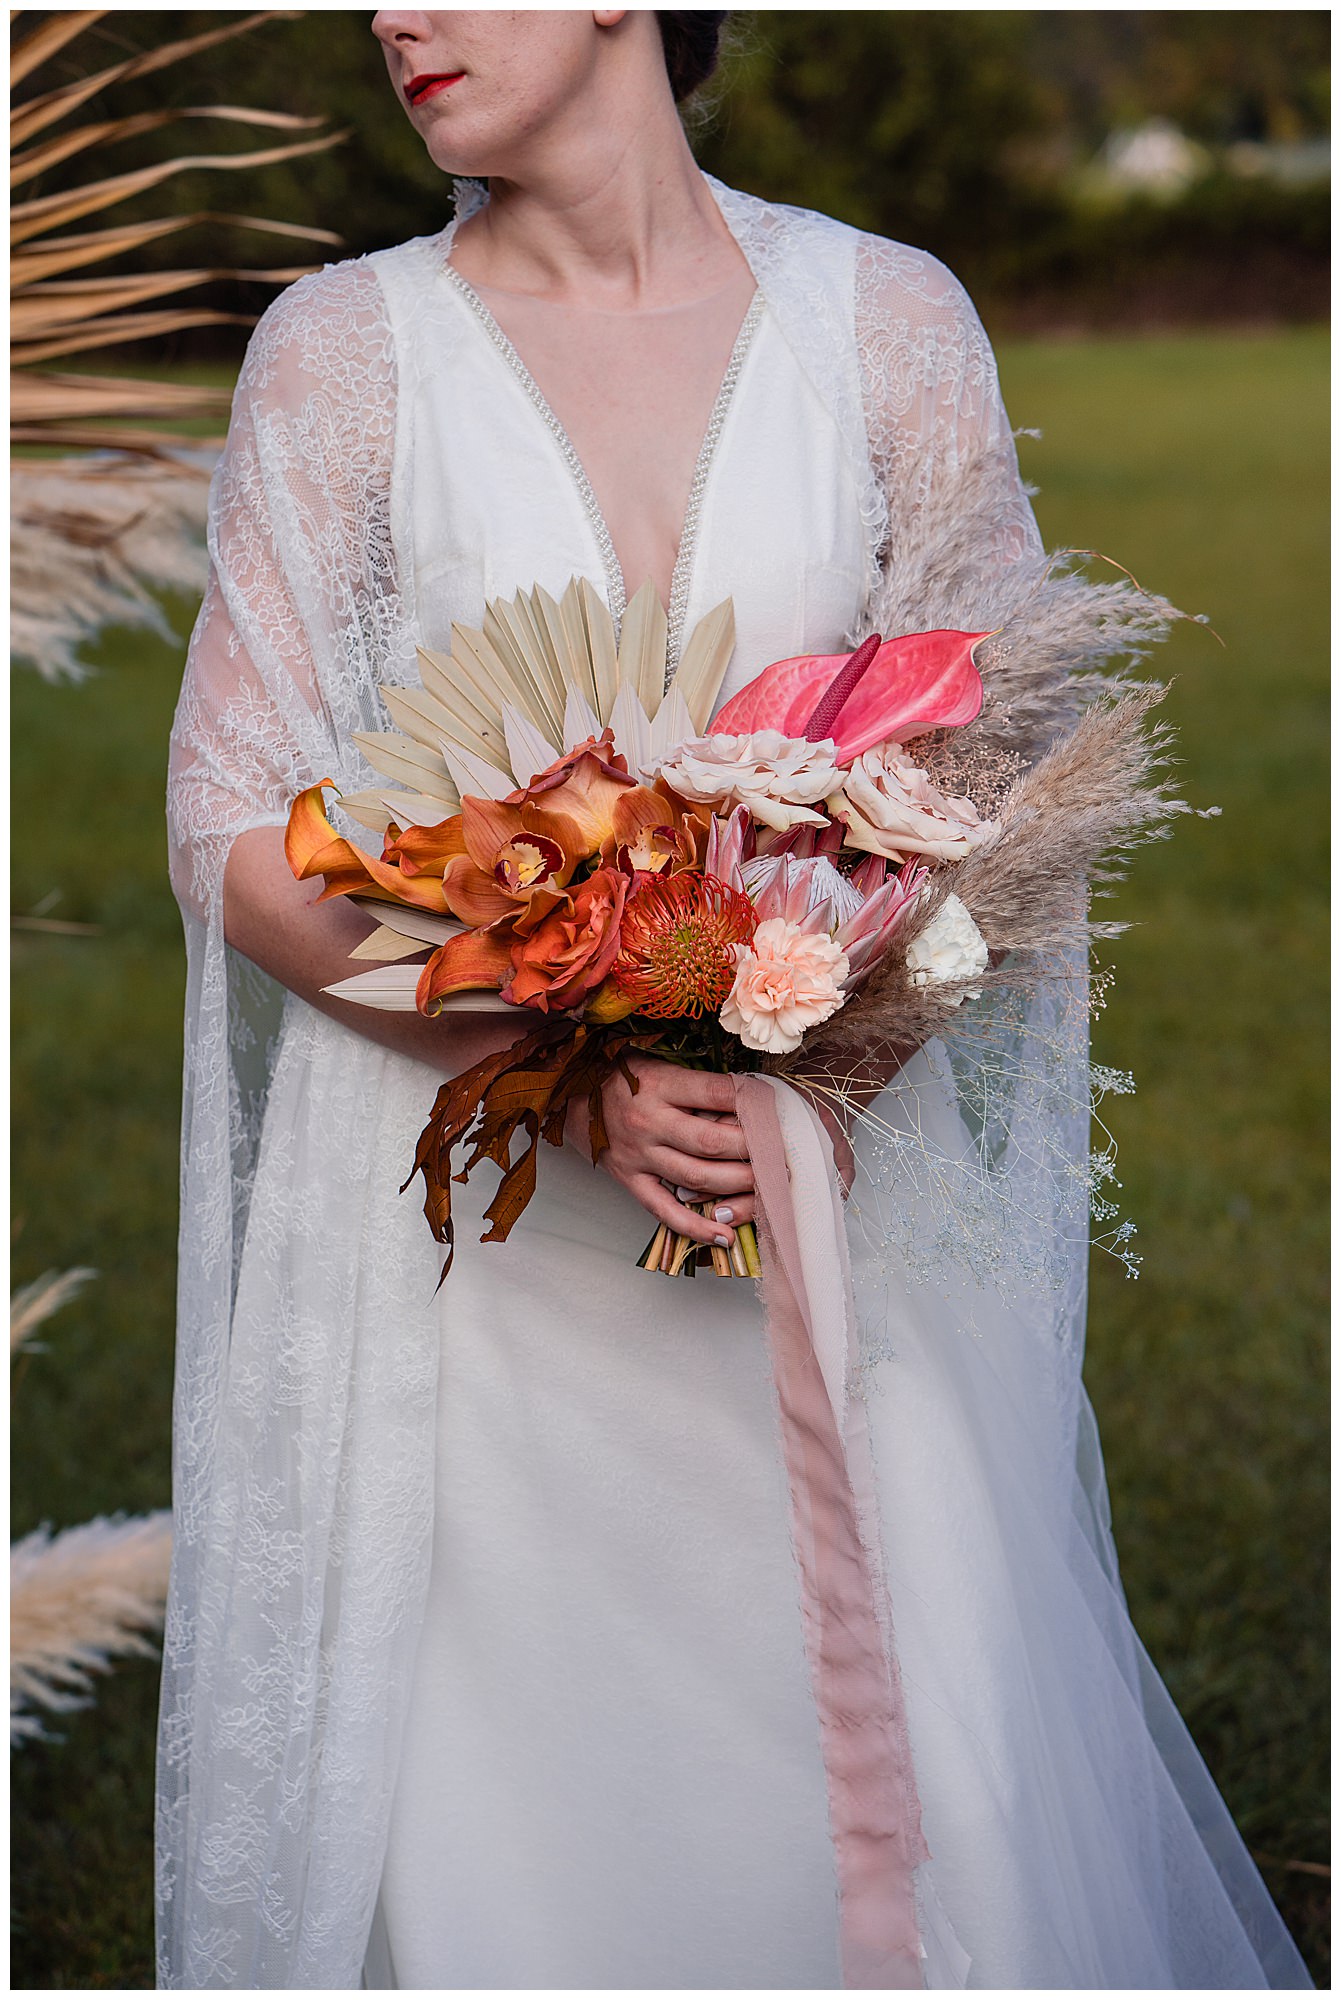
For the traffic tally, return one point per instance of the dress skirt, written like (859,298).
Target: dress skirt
(608,1772)
(612,1771)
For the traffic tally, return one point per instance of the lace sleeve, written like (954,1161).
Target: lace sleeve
(301,610)
(932,400)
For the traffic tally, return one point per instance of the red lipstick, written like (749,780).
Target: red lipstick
(420,88)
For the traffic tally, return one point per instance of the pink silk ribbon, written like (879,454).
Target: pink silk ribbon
(806,1289)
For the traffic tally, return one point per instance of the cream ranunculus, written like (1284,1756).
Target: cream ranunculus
(777,778)
(787,980)
(951,947)
(891,807)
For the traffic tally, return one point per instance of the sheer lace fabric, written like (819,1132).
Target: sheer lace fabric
(308,1354)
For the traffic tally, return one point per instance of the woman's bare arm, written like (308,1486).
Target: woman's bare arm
(279,924)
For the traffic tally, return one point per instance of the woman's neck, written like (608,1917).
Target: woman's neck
(623,220)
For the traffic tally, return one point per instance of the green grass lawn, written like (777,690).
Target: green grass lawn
(1199,463)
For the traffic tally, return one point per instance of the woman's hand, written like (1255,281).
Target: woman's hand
(678,1127)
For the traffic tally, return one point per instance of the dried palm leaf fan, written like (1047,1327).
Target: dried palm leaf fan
(543,675)
(90,533)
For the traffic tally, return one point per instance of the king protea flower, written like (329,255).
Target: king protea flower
(676,949)
(860,911)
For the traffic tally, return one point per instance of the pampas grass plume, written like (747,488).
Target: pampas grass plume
(77,1599)
(32,1304)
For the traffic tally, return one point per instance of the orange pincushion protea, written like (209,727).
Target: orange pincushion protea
(676,943)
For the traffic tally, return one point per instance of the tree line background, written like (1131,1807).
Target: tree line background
(973,134)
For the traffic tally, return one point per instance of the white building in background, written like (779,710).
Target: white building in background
(1153,158)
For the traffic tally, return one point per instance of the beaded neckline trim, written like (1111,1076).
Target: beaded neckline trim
(614,575)
(684,555)
(682,574)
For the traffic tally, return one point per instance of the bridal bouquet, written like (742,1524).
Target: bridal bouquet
(582,851)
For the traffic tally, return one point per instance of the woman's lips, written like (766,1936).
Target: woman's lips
(420,88)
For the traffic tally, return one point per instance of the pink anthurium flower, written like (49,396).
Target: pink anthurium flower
(926,680)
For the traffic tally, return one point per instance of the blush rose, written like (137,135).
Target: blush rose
(892,808)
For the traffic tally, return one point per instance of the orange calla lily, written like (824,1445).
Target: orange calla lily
(426,850)
(313,847)
(477,961)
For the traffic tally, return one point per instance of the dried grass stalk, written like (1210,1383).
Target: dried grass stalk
(86,558)
(1060,710)
(78,1599)
(91,541)
(32,1304)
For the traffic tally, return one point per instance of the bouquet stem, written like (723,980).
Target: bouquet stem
(677,1256)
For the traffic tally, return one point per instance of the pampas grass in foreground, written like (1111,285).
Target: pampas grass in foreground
(92,534)
(32,1304)
(77,1599)
(80,1597)
(91,541)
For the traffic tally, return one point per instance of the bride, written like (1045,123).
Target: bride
(484,1663)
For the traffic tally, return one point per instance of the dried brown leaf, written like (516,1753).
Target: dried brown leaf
(528,1087)
(52,211)
(39,112)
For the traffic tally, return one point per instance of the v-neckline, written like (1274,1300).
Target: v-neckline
(682,572)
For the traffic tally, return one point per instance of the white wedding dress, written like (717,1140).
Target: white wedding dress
(484,1662)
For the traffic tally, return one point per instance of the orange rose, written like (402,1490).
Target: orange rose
(568,955)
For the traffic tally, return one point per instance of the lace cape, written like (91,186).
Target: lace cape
(303,1460)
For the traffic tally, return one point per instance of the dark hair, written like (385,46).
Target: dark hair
(691,44)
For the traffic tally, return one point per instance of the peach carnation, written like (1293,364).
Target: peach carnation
(787,980)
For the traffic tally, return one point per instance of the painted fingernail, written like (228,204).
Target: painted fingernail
(724,1215)
(722,1242)
(686,1194)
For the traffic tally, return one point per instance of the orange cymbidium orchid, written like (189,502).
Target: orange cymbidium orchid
(313,847)
(655,834)
(586,785)
(515,863)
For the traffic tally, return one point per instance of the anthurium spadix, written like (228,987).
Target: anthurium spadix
(925,680)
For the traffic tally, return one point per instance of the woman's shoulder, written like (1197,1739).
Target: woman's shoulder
(334,322)
(889,277)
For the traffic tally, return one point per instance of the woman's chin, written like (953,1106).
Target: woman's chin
(450,156)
